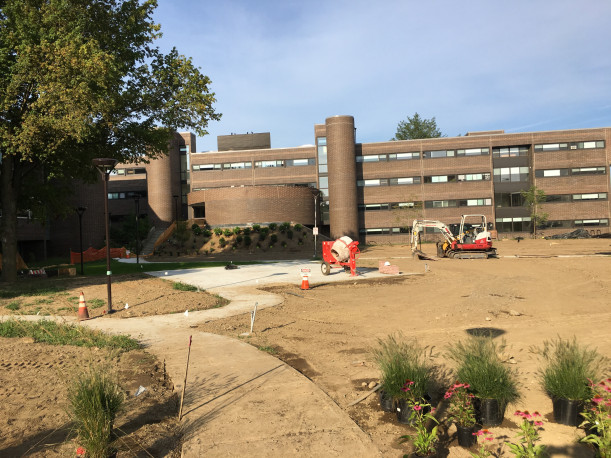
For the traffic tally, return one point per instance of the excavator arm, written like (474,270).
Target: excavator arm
(419,225)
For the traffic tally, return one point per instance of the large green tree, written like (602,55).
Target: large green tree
(81,79)
(417,127)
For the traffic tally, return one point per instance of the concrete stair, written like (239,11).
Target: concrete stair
(149,244)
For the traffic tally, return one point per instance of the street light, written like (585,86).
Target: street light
(105,166)
(176,207)
(79,212)
(137,202)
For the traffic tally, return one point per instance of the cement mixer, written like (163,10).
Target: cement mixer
(343,252)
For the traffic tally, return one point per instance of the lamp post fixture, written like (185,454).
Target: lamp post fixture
(176,207)
(79,212)
(105,166)
(137,202)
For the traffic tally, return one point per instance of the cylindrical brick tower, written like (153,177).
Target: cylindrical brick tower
(341,160)
(161,177)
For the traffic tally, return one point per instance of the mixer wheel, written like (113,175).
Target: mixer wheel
(325,268)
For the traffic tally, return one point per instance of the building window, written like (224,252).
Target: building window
(510,174)
(575,145)
(473,152)
(402,181)
(546,173)
(591,222)
(510,151)
(438,154)
(557,198)
(374,230)
(518,224)
(365,183)
(474,202)
(405,205)
(206,167)
(403,156)
(265,164)
(300,162)
(440,203)
(508,199)
(474,177)
(595,196)
(371,158)
(372,207)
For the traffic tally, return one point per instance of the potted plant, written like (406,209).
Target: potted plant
(493,383)
(400,360)
(526,446)
(425,441)
(597,418)
(462,412)
(568,366)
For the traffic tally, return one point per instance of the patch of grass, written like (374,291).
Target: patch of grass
(15,305)
(183,286)
(94,401)
(53,333)
(96,303)
(268,349)
(29,290)
(220,301)
(44,300)
(68,309)
(73,300)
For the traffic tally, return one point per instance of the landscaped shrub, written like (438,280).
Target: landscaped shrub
(196,229)
(207,233)
(273,239)
(298,227)
(228,232)
(289,234)
(256,227)
(237,230)
(218,231)
(285,227)
(262,236)
(264,230)
(94,401)
(222,242)
(238,239)
(247,231)
(247,240)
(273,226)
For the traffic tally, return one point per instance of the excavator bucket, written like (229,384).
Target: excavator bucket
(422,255)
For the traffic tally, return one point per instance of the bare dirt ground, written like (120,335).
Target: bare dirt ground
(327,333)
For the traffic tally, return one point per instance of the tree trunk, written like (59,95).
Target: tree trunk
(9,186)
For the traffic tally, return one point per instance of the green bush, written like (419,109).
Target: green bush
(207,233)
(196,229)
(289,234)
(222,242)
(238,239)
(264,230)
(237,230)
(256,227)
(298,227)
(567,368)
(183,286)
(94,401)
(247,240)
(273,239)
(227,232)
(273,227)
(479,365)
(246,231)
(285,227)
(218,231)
(400,360)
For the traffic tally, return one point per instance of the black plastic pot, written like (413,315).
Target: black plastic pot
(465,435)
(404,411)
(567,411)
(490,412)
(386,402)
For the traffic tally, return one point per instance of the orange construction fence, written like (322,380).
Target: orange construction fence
(91,254)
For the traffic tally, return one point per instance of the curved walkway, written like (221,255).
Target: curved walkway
(239,400)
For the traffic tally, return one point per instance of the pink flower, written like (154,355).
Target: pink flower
(536,414)
(80,451)
(417,408)
(538,423)
(596,399)
(448,395)
(518,413)
(478,433)
(488,438)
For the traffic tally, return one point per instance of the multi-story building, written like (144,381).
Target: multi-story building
(369,191)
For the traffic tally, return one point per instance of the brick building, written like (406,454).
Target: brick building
(369,191)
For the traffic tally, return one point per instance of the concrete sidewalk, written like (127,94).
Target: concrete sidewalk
(240,400)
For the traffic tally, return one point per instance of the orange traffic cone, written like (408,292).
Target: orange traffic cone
(305,284)
(83,313)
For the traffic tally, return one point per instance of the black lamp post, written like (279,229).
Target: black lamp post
(176,207)
(105,166)
(79,212)
(137,202)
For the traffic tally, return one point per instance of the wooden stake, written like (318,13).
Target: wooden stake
(182,396)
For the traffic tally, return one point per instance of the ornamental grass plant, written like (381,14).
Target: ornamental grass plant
(568,367)
(400,360)
(94,401)
(479,365)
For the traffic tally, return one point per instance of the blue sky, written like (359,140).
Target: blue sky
(281,66)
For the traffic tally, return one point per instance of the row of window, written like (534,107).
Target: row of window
(126,195)
(390,206)
(523,224)
(455,178)
(567,146)
(570,172)
(258,164)
(388,181)
(130,171)
(510,151)
(510,174)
